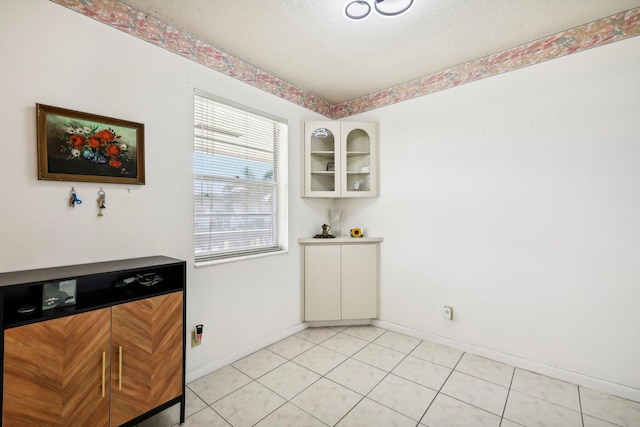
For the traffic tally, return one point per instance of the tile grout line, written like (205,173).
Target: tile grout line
(255,380)
(504,408)
(580,404)
(441,386)
(297,394)
(348,358)
(331,370)
(386,375)
(382,379)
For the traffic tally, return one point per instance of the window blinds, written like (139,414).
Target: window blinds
(240,160)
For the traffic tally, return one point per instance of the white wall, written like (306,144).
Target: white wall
(54,56)
(516,199)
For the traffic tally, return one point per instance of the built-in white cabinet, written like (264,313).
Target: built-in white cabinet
(340,278)
(340,159)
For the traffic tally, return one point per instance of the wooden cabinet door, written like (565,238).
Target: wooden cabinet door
(56,372)
(359,281)
(147,351)
(322,282)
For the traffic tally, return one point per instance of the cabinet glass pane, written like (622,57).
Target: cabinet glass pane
(358,161)
(322,157)
(322,140)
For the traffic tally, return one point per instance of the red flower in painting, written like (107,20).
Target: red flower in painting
(105,135)
(77,141)
(100,146)
(113,150)
(95,142)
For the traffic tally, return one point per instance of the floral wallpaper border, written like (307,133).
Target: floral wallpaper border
(598,33)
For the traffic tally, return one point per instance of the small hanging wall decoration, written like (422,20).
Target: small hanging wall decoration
(101,198)
(73,200)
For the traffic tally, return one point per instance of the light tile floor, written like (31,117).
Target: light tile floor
(367,376)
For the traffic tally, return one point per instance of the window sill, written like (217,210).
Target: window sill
(239,258)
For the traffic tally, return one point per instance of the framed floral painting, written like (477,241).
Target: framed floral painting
(77,146)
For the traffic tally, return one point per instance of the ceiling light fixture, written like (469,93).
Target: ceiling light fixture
(321,133)
(357,10)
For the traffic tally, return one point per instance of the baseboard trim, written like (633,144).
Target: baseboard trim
(550,371)
(237,355)
(337,323)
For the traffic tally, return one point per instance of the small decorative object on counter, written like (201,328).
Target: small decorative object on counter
(335,220)
(73,200)
(27,309)
(124,282)
(356,232)
(148,279)
(58,294)
(325,233)
(101,198)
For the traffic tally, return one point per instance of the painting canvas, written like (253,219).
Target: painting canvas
(77,146)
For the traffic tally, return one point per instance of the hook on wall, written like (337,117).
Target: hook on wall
(73,200)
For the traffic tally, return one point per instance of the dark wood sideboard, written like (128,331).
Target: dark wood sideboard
(115,355)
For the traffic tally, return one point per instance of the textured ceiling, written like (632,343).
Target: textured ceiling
(310,44)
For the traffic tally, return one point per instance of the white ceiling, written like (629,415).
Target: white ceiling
(310,44)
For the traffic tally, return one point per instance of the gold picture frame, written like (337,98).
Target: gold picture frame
(77,146)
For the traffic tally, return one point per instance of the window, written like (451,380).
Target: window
(240,175)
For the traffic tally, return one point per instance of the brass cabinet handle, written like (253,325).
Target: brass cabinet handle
(120,370)
(104,370)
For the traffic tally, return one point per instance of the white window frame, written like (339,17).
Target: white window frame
(238,215)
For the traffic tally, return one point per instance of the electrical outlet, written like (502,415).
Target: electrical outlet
(447,312)
(194,342)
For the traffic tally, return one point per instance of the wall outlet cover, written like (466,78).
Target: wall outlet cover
(194,342)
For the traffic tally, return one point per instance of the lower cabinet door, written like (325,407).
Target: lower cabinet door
(322,282)
(56,373)
(359,281)
(146,355)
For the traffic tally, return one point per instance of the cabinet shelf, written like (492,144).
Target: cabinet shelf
(328,154)
(93,291)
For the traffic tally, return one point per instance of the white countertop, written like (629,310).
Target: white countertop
(338,240)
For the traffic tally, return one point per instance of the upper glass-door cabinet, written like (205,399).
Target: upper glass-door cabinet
(322,159)
(340,159)
(359,159)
